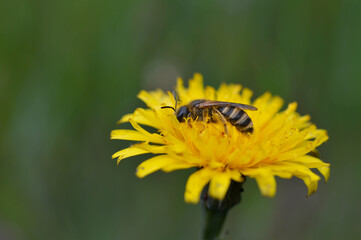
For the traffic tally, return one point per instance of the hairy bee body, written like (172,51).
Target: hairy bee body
(233,113)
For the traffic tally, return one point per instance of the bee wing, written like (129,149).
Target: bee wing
(208,104)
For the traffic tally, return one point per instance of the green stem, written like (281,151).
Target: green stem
(214,220)
(215,211)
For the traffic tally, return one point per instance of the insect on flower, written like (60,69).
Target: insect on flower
(262,140)
(211,111)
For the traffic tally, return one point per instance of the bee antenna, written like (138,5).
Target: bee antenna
(176,102)
(168,107)
(176,99)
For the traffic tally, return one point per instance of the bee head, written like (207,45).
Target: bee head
(182,113)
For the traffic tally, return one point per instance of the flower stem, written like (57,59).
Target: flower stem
(213,223)
(215,211)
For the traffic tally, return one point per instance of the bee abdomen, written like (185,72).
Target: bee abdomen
(226,111)
(247,129)
(238,118)
(233,115)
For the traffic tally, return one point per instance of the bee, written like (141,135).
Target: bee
(211,111)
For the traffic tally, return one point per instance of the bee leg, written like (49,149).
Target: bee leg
(224,121)
(188,120)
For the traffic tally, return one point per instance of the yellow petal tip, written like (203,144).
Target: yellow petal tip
(139,172)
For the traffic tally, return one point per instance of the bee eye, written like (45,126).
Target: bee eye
(182,113)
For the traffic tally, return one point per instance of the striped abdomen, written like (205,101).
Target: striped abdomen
(238,118)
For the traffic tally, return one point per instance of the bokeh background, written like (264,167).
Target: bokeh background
(70,69)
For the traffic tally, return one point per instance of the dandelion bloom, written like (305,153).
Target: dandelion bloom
(280,144)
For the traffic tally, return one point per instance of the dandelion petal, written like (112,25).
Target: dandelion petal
(219,185)
(196,183)
(128,152)
(153,164)
(267,185)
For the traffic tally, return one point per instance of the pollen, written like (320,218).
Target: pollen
(280,145)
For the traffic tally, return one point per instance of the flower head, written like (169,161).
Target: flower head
(279,145)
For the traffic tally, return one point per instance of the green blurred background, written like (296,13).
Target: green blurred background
(70,69)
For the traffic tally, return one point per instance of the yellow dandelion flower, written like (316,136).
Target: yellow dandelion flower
(279,145)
